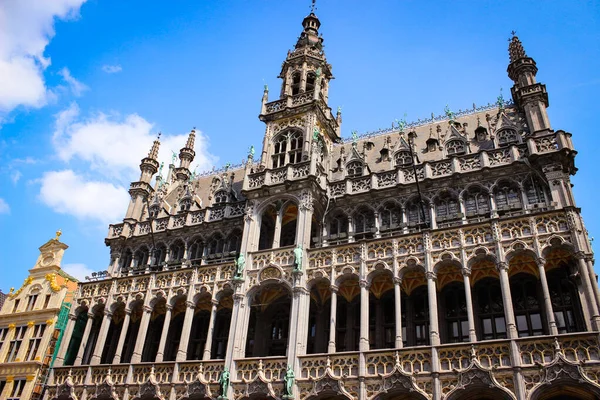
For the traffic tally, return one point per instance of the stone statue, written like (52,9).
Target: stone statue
(316,133)
(239,265)
(289,382)
(251,152)
(224,383)
(298,253)
(318,72)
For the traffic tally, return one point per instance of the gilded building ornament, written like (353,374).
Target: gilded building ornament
(26,282)
(51,278)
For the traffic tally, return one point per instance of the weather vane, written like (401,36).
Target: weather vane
(313,7)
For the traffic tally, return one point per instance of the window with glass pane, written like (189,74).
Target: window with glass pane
(35,341)
(391,217)
(535,191)
(525,298)
(364,220)
(565,300)
(455,147)
(447,207)
(455,309)
(402,159)
(476,202)
(15,344)
(17,390)
(354,169)
(507,136)
(490,309)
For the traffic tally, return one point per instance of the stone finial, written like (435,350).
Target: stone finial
(153,153)
(515,48)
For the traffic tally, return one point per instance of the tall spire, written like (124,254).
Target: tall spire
(529,96)
(186,156)
(149,165)
(153,153)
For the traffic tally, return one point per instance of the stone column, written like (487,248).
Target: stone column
(97,354)
(66,340)
(185,331)
(84,339)
(467,281)
(509,314)
(377,226)
(163,336)
(593,279)
(332,318)
(398,311)
(136,357)
(552,329)
(277,232)
(211,331)
(122,335)
(434,335)
(588,290)
(363,344)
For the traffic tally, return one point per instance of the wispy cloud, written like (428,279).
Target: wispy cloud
(4,208)
(15,176)
(111,69)
(77,270)
(76,87)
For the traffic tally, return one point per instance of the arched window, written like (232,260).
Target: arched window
(417,213)
(507,136)
(391,217)
(480,134)
(456,147)
(354,169)
(525,298)
(447,208)
(311,79)
(476,202)
(221,197)
(565,301)
(508,197)
(415,317)
(295,83)
(338,227)
(125,262)
(382,316)
(195,251)
(287,144)
(403,159)
(289,219)
(234,242)
(140,258)
(267,228)
(215,246)
(490,309)
(535,191)
(159,254)
(176,252)
(364,223)
(454,306)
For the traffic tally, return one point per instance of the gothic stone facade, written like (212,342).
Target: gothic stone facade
(29,325)
(443,259)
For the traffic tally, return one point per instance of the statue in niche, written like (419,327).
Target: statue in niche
(224,383)
(289,379)
(298,254)
(240,262)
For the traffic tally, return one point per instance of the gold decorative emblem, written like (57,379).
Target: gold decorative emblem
(31,323)
(53,284)
(11,326)
(49,321)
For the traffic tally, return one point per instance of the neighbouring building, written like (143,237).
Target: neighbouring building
(29,324)
(439,259)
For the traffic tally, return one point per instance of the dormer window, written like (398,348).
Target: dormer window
(431,144)
(185,204)
(455,148)
(507,137)
(403,159)
(153,211)
(310,81)
(220,197)
(296,83)
(480,134)
(355,169)
(287,148)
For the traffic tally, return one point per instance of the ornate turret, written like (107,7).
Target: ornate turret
(186,156)
(529,96)
(141,190)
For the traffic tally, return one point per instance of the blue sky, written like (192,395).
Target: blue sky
(86,85)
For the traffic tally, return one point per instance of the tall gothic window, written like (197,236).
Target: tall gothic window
(565,301)
(506,137)
(195,251)
(391,217)
(417,213)
(447,208)
(311,79)
(287,148)
(267,228)
(476,202)
(364,222)
(125,262)
(456,147)
(234,241)
(354,169)
(525,297)
(490,309)
(534,191)
(454,305)
(176,252)
(415,317)
(296,83)
(403,159)
(338,226)
(507,196)
(215,246)
(140,259)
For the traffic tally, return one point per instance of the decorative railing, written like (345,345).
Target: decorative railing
(210,370)
(290,101)
(272,368)
(339,365)
(282,256)
(578,347)
(414,360)
(276,176)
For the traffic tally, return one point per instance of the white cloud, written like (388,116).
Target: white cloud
(79,271)
(76,87)
(111,69)
(4,208)
(15,176)
(68,193)
(26,28)
(114,145)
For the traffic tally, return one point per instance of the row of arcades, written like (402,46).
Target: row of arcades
(413,309)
